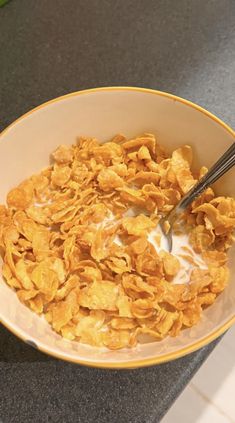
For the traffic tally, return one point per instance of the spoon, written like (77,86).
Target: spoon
(226,162)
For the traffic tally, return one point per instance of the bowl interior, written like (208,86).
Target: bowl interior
(24,150)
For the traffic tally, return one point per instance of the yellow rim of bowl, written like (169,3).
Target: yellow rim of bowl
(148,361)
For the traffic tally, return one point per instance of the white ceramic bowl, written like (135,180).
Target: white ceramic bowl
(24,149)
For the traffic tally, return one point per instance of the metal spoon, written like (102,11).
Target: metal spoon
(226,162)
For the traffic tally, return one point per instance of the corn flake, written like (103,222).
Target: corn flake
(99,295)
(138,226)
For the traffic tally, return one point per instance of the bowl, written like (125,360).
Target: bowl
(24,149)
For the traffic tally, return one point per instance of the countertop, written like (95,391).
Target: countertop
(49,48)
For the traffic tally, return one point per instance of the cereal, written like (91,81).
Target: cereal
(171,264)
(138,225)
(100,295)
(75,243)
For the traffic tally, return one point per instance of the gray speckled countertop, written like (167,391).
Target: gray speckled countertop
(48,48)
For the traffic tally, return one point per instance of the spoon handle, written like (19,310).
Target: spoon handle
(226,162)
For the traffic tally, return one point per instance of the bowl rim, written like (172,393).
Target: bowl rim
(145,361)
